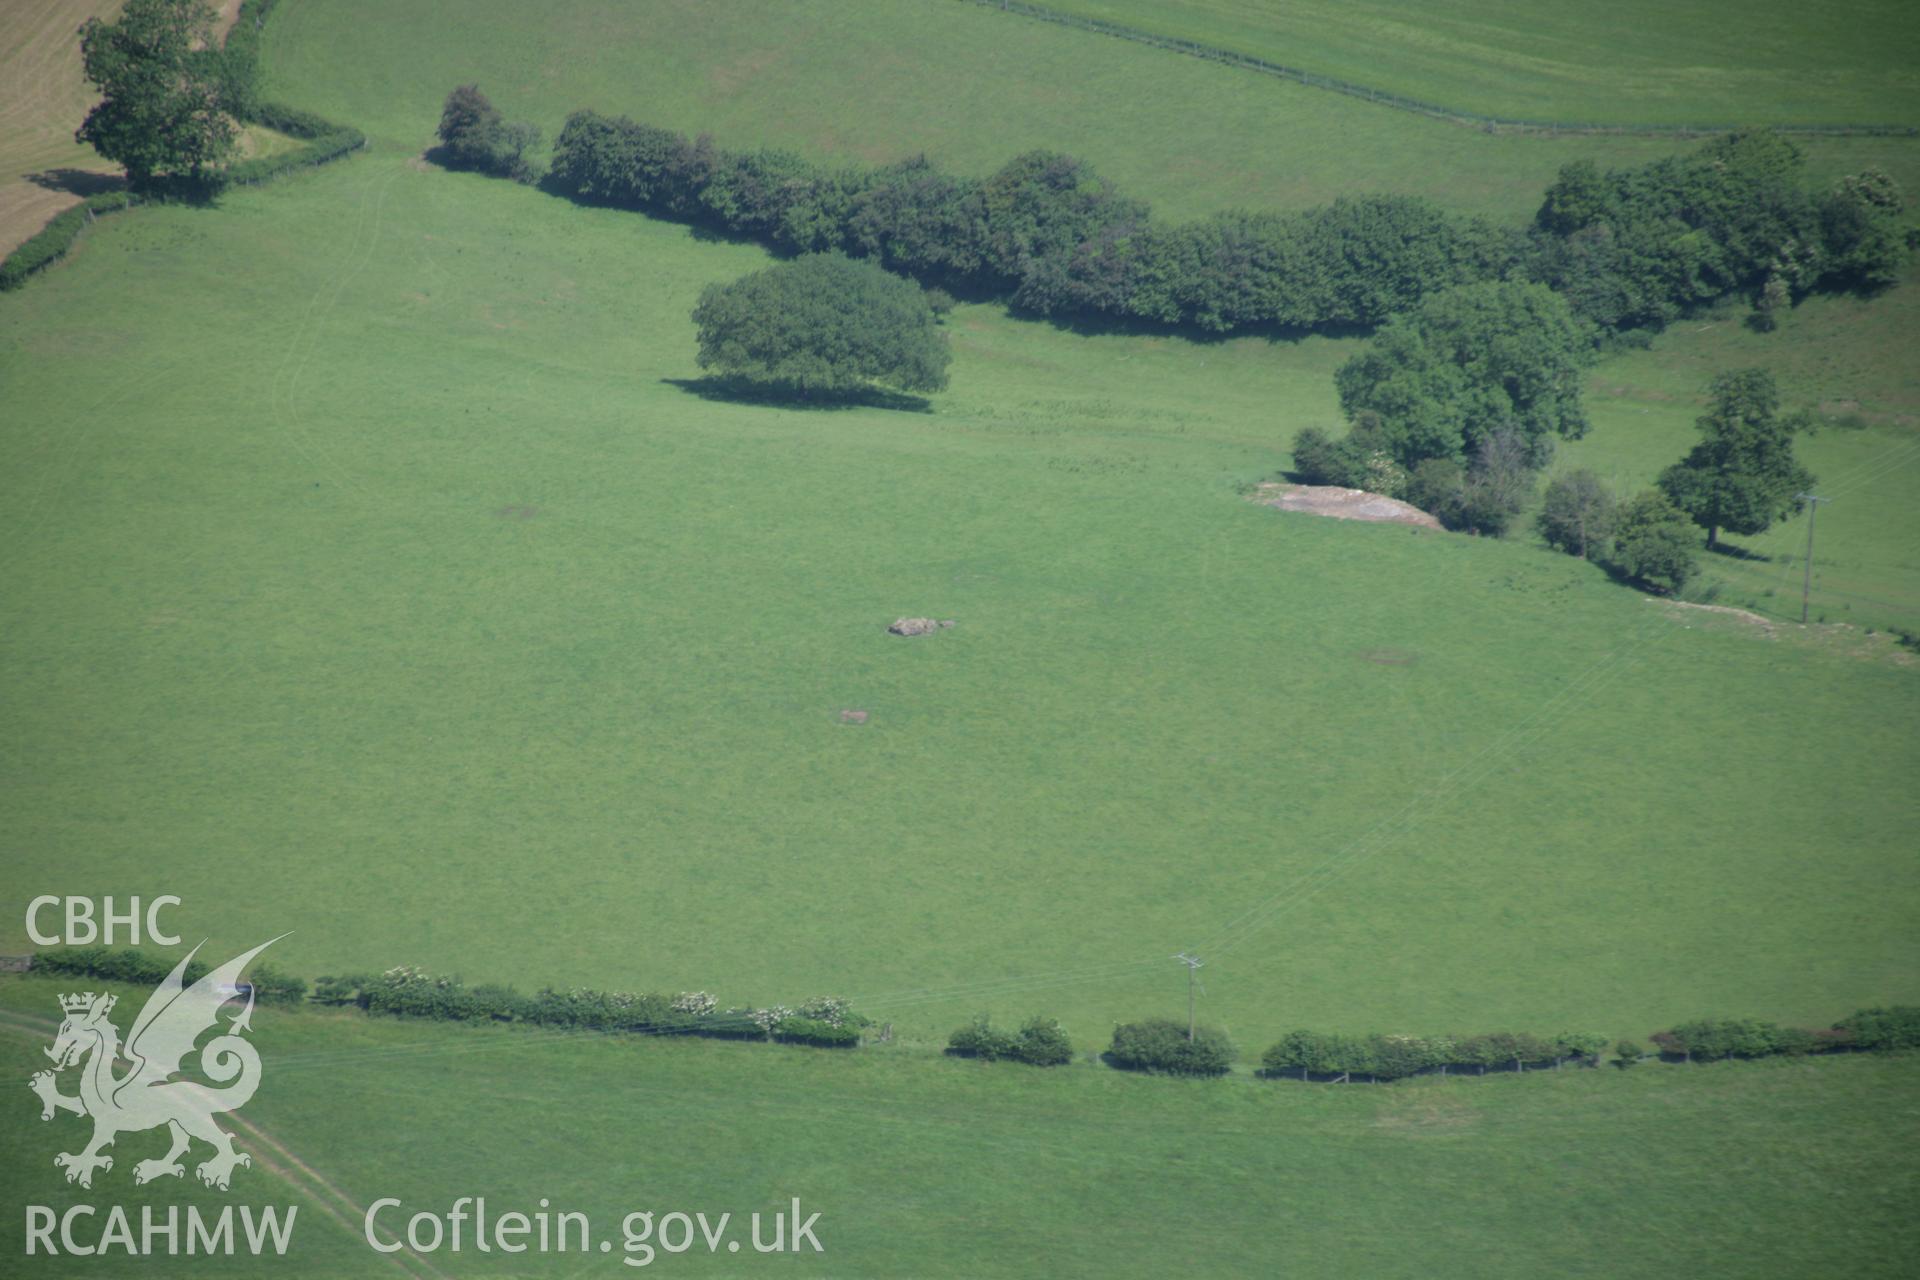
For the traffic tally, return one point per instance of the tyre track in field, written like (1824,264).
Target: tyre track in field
(282,1163)
(282,404)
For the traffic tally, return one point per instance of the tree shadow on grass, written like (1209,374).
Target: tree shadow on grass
(738,391)
(1732,552)
(78,182)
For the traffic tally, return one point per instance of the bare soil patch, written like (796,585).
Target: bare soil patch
(1342,504)
(224,15)
(1389,657)
(518,511)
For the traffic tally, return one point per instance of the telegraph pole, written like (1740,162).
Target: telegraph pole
(1806,583)
(1192,963)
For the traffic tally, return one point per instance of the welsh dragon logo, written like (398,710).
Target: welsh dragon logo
(151,1091)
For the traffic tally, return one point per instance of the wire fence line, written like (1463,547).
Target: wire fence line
(1452,115)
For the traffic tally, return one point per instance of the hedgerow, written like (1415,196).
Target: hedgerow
(1392,1057)
(1627,248)
(1045,231)
(1040,1042)
(1162,1046)
(813,1031)
(125,965)
(325,142)
(52,241)
(1157,1045)
(1307,1055)
(408,991)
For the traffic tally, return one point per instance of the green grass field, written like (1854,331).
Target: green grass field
(373,572)
(281,624)
(1636,63)
(923,1166)
(966,85)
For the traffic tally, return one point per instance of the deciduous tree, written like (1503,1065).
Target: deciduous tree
(823,323)
(1742,476)
(165,91)
(1467,363)
(1652,542)
(1577,514)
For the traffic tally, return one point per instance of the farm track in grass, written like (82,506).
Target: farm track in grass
(269,1156)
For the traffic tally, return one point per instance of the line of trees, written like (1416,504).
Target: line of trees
(1639,247)
(1482,331)
(1627,248)
(1045,231)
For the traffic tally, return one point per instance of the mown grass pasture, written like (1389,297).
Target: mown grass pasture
(378,567)
(1638,63)
(440,578)
(966,85)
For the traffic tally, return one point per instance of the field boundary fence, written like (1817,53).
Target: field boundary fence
(1451,115)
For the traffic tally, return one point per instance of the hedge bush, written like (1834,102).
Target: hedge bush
(271,986)
(124,965)
(474,135)
(1160,1045)
(815,1032)
(1710,1039)
(1306,1054)
(1040,1042)
(1895,1028)
(410,992)
(52,241)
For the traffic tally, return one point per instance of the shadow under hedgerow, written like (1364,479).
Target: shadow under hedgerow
(741,391)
